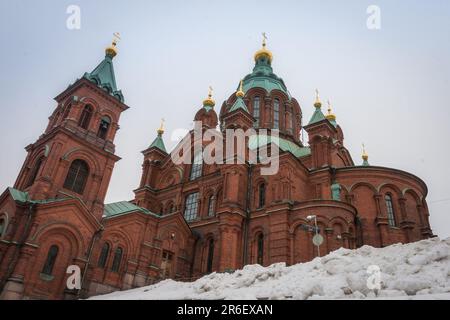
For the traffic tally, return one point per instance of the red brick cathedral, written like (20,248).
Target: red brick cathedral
(187,220)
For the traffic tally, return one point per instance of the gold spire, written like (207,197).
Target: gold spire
(209,102)
(112,50)
(240,93)
(365,156)
(263,52)
(330,116)
(317,103)
(160,131)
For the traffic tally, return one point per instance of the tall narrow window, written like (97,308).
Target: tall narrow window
(209,264)
(117,260)
(86,116)
(288,122)
(103,255)
(191,207)
(197,166)
(105,122)
(77,176)
(261,195)
(50,261)
(390,210)
(276,114)
(256,104)
(260,248)
(2,226)
(34,172)
(211,206)
(67,111)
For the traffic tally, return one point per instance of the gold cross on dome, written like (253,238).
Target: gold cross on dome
(264,38)
(210,91)
(116,37)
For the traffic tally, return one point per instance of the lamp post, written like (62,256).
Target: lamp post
(317,239)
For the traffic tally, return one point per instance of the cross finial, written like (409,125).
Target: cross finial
(161,127)
(264,39)
(116,38)
(210,91)
(317,103)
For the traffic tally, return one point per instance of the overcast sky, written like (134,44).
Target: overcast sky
(390,87)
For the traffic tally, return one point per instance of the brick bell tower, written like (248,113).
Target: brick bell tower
(75,155)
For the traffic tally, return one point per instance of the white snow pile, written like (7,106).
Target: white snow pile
(417,270)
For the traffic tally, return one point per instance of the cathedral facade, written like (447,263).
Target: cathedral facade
(194,218)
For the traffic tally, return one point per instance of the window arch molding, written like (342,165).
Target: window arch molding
(4,220)
(85,119)
(77,153)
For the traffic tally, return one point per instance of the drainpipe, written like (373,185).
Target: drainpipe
(88,261)
(247,212)
(12,264)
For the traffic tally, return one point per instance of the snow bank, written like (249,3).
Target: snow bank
(412,271)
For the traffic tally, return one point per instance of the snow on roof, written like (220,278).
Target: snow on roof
(418,270)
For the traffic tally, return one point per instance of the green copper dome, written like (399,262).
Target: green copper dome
(263,77)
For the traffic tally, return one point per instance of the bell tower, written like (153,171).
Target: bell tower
(75,155)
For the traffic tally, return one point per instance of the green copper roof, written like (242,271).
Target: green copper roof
(123,207)
(365,163)
(22,196)
(333,122)
(18,195)
(256,141)
(317,116)
(103,76)
(239,104)
(263,77)
(158,143)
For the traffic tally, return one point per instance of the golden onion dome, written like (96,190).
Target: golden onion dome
(263,52)
(330,115)
(160,130)
(112,50)
(364,156)
(209,102)
(317,103)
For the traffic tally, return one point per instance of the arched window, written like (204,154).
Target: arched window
(86,116)
(51,259)
(288,122)
(2,226)
(276,114)
(105,122)
(390,210)
(209,263)
(117,260)
(67,111)
(260,249)
(34,172)
(261,195)
(256,104)
(211,206)
(191,207)
(197,166)
(77,176)
(103,255)
(170,208)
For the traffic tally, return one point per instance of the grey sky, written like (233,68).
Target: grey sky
(390,88)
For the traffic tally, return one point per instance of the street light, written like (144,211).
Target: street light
(317,239)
